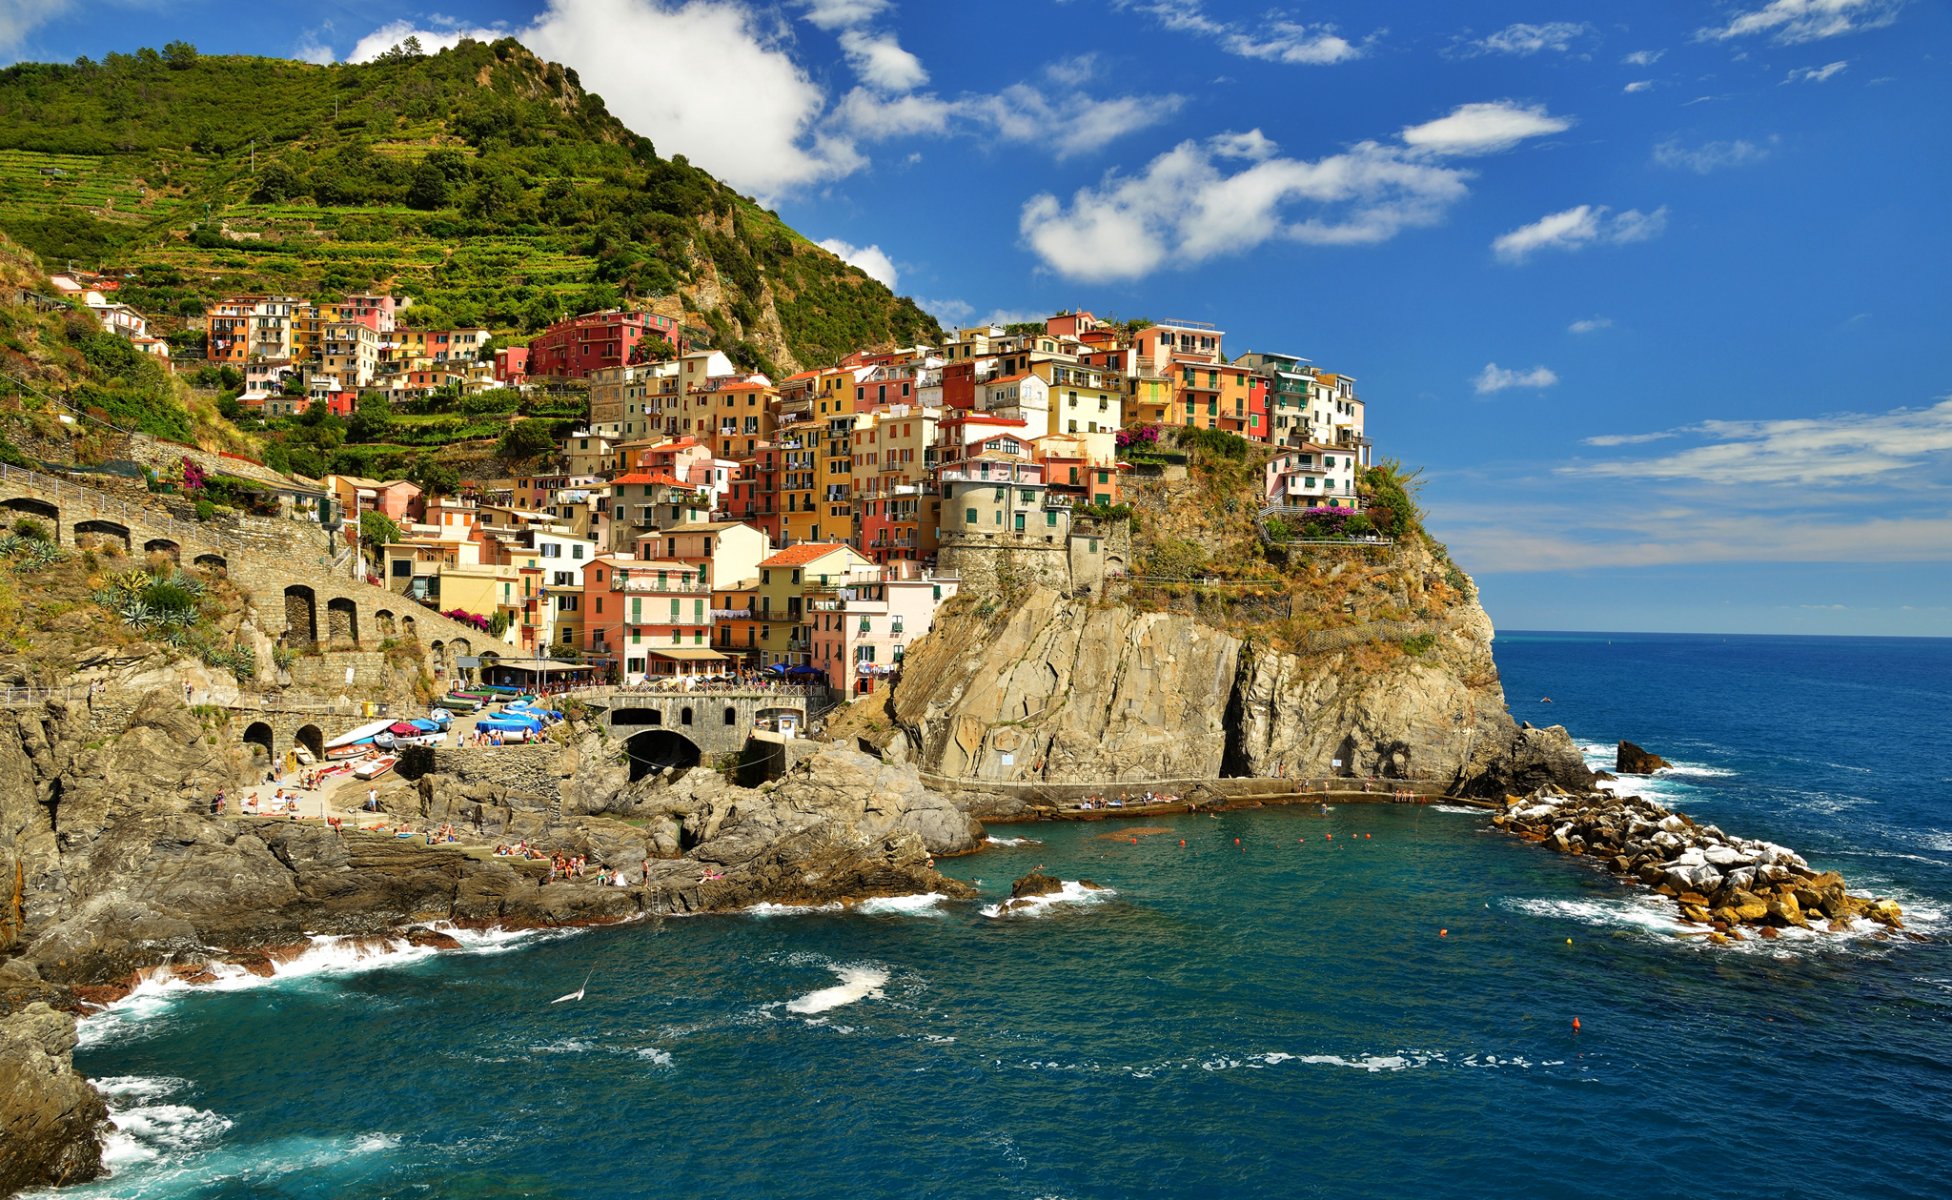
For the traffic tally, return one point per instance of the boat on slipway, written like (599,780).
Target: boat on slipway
(356,742)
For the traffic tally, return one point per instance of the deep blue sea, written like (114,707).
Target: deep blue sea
(1265,1010)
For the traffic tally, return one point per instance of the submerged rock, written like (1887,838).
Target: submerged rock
(51,1120)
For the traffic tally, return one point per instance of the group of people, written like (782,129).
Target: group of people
(1091,803)
(278,802)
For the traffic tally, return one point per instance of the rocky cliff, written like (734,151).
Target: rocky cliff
(112,867)
(1055,689)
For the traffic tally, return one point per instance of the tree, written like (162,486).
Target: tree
(180,55)
(375,531)
(429,189)
(372,421)
(411,47)
(525,440)
(434,477)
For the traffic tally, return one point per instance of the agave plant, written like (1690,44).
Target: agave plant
(11,544)
(129,582)
(138,614)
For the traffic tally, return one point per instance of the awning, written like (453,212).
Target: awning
(686,654)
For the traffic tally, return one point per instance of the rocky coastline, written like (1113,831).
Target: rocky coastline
(1721,883)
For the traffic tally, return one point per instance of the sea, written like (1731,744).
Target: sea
(1379,1002)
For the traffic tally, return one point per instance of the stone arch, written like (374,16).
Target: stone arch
(216,564)
(164,546)
(100,532)
(460,647)
(30,506)
(301,615)
(408,629)
(313,739)
(342,620)
(660,750)
(263,744)
(684,715)
(384,619)
(731,715)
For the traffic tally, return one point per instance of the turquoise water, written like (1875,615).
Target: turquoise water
(1385,1012)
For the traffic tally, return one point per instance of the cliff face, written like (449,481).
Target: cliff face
(1052,689)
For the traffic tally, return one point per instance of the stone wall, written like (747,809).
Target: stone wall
(1004,564)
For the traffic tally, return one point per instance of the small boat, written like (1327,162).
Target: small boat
(355,742)
(461,704)
(409,733)
(373,768)
(441,718)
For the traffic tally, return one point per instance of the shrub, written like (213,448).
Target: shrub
(205,510)
(31,530)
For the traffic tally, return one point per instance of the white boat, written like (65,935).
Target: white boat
(355,742)
(373,768)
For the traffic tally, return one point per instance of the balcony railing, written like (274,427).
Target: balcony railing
(641,583)
(732,614)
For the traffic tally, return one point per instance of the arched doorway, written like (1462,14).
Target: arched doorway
(660,750)
(408,629)
(258,738)
(163,546)
(342,620)
(384,618)
(301,615)
(216,564)
(102,533)
(40,510)
(313,739)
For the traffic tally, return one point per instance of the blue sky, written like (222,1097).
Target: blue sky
(1655,294)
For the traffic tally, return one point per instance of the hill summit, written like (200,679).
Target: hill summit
(482,182)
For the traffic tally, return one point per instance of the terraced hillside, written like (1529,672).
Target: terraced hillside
(482,182)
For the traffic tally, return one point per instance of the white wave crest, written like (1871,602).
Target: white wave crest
(324,955)
(1649,914)
(993,840)
(1459,810)
(767,908)
(655,1056)
(857,983)
(1072,892)
(920,905)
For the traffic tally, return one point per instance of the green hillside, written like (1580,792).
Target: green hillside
(481,181)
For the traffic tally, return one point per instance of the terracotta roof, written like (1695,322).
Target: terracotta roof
(802,554)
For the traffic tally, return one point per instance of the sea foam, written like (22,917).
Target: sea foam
(857,983)
(1072,892)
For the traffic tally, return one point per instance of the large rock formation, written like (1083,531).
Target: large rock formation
(1630,759)
(50,1118)
(1052,689)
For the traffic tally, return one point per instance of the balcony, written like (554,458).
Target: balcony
(640,584)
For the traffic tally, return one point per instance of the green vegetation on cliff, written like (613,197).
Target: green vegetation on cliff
(481,181)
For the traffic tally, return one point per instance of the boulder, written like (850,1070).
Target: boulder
(1630,759)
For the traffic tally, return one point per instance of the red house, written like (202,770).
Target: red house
(572,349)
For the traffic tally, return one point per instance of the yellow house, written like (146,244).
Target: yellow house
(783,580)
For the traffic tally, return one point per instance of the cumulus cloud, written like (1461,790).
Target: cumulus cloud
(1197,201)
(1590,325)
(1495,378)
(312,48)
(1788,22)
(1074,124)
(1273,40)
(725,92)
(1484,128)
(20,18)
(872,260)
(1851,448)
(880,61)
(1579,227)
(1709,157)
(1638,85)
(1525,39)
(1821,74)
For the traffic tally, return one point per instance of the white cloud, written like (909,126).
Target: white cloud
(1192,204)
(1524,39)
(1271,40)
(19,18)
(1074,124)
(1851,449)
(872,260)
(1579,227)
(1643,58)
(880,61)
(1792,21)
(436,34)
(874,117)
(312,48)
(1484,128)
(1495,378)
(1820,74)
(843,14)
(1638,85)
(1626,439)
(1590,325)
(952,313)
(724,92)
(1711,156)
(1287,42)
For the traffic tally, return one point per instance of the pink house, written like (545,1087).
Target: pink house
(860,628)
